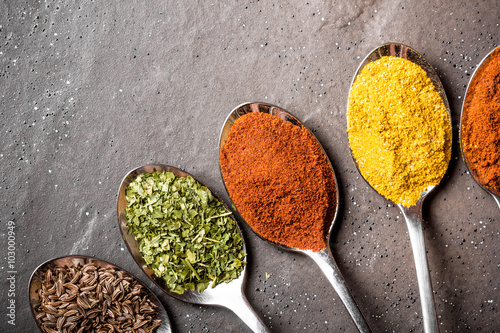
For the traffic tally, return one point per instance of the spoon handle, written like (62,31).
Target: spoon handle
(327,264)
(413,217)
(240,306)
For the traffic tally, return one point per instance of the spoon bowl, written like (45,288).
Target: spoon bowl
(413,214)
(229,295)
(324,258)
(467,101)
(38,276)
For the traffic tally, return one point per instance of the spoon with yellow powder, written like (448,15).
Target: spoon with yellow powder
(399,127)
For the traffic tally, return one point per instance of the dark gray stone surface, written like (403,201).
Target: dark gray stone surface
(92,89)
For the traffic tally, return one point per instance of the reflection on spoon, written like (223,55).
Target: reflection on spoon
(39,275)
(324,258)
(229,295)
(476,79)
(413,213)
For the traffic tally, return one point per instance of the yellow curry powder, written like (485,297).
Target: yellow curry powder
(399,129)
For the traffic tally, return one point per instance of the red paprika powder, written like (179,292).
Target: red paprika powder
(481,124)
(280,180)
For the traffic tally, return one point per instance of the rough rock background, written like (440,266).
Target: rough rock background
(91,89)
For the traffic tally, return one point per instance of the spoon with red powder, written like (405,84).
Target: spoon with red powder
(480,125)
(283,185)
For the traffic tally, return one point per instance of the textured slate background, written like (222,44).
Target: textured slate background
(92,89)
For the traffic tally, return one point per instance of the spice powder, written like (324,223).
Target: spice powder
(399,129)
(481,124)
(280,180)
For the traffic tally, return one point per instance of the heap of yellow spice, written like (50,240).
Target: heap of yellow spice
(399,129)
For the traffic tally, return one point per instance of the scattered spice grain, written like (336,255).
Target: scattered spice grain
(399,129)
(280,180)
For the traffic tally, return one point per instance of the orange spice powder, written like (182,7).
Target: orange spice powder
(280,180)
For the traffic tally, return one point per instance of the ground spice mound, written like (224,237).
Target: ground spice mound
(399,129)
(481,124)
(279,180)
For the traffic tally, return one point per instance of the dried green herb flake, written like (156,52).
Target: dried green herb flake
(185,234)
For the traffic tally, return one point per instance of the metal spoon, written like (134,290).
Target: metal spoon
(229,295)
(39,275)
(467,101)
(324,258)
(413,214)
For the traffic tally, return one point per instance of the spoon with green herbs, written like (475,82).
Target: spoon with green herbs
(185,239)
(399,127)
(241,167)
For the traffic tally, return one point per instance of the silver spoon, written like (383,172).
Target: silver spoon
(413,214)
(324,258)
(38,276)
(467,100)
(229,295)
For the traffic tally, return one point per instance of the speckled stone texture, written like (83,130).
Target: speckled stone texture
(91,89)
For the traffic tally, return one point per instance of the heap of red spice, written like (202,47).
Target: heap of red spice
(481,124)
(280,180)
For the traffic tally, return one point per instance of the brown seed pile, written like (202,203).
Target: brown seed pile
(90,298)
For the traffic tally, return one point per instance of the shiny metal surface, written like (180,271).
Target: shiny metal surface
(467,101)
(38,276)
(229,295)
(413,215)
(324,259)
(497,198)
(413,218)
